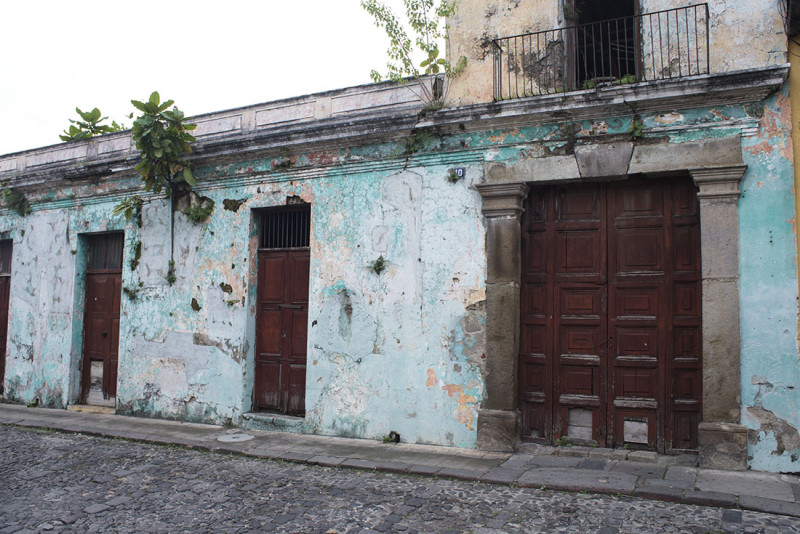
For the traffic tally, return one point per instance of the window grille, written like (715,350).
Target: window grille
(105,252)
(286,227)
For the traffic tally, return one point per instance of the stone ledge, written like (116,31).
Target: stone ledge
(227,138)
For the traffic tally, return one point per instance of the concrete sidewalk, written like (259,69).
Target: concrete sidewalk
(641,474)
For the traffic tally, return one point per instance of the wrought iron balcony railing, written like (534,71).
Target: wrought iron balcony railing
(673,43)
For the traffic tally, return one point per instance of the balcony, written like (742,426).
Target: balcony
(673,43)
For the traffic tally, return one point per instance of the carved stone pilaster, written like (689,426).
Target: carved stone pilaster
(497,418)
(722,440)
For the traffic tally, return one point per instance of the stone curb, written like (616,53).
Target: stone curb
(496,475)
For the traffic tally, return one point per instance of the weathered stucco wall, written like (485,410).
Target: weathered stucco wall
(473,27)
(398,351)
(404,350)
(45,311)
(733,29)
(768,263)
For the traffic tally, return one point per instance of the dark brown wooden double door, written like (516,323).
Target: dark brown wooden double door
(282,323)
(102,312)
(610,345)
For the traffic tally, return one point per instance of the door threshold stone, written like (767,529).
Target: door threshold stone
(91,408)
(273,421)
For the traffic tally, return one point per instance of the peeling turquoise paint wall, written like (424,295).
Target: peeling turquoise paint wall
(403,350)
(768,284)
(389,351)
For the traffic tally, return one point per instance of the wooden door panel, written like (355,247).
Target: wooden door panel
(579,380)
(636,342)
(580,339)
(269,332)
(686,301)
(5,290)
(272,279)
(636,382)
(685,250)
(578,252)
(533,377)
(102,310)
(534,298)
(96,342)
(101,328)
(299,319)
(268,376)
(686,386)
(299,278)
(297,389)
(637,201)
(536,254)
(610,314)
(581,301)
(536,320)
(282,331)
(687,345)
(579,203)
(635,302)
(640,249)
(534,340)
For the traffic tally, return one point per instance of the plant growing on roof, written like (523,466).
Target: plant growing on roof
(163,138)
(17,201)
(426,19)
(89,126)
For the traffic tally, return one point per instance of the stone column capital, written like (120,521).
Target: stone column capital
(720,183)
(503,200)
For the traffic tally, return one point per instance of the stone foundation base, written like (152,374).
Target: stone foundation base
(723,446)
(497,430)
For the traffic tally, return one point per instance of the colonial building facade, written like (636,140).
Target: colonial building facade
(594,242)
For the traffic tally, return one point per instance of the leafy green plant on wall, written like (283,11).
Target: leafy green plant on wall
(162,137)
(636,128)
(378,266)
(453,177)
(131,209)
(198,212)
(89,126)
(136,254)
(416,141)
(171,278)
(16,201)
(428,29)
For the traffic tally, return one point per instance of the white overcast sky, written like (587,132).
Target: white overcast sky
(206,55)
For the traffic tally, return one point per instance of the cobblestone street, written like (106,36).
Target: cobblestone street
(51,481)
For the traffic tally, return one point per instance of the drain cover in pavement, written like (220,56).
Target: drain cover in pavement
(235,438)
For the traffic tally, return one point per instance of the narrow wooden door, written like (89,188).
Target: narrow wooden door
(5,290)
(282,323)
(102,311)
(610,315)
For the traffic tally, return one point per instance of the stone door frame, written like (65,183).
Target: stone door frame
(722,439)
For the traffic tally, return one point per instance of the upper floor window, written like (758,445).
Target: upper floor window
(603,43)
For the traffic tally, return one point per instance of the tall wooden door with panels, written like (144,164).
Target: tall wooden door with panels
(101,317)
(6,248)
(282,315)
(610,344)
